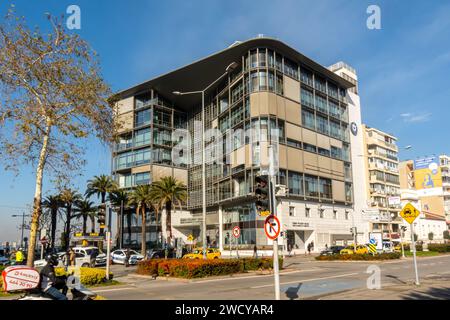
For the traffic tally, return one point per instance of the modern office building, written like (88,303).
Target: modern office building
(274,96)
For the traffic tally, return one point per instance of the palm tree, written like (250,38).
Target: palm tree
(52,204)
(69,197)
(119,198)
(168,192)
(100,186)
(140,199)
(84,209)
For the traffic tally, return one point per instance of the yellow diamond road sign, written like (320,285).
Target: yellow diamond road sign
(409,213)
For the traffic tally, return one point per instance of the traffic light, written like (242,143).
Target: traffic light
(262,195)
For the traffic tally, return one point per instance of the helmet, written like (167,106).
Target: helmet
(20,249)
(52,259)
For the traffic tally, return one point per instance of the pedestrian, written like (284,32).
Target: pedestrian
(289,247)
(20,257)
(127,257)
(309,248)
(72,257)
(312,245)
(255,251)
(7,250)
(326,246)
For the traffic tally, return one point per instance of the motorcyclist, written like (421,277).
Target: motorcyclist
(49,282)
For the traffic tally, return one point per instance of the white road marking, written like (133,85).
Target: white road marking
(253,276)
(308,280)
(116,289)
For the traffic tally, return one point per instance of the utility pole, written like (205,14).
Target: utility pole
(413,242)
(273,208)
(108,252)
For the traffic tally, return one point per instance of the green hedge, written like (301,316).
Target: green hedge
(408,247)
(188,268)
(436,247)
(360,257)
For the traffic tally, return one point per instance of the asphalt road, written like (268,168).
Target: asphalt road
(304,278)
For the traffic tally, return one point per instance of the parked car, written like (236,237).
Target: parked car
(161,253)
(4,261)
(88,253)
(332,250)
(119,255)
(197,253)
(41,262)
(360,249)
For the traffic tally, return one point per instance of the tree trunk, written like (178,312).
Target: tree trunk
(53,231)
(169,220)
(67,233)
(157,228)
(92,224)
(84,224)
(129,225)
(103,195)
(37,208)
(143,232)
(119,228)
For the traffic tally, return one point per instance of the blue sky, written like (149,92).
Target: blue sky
(402,68)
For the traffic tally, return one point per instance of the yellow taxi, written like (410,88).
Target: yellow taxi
(360,249)
(398,247)
(197,253)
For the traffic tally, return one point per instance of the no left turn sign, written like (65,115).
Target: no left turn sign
(272,227)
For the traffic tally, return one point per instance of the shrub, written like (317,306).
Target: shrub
(198,268)
(439,247)
(88,276)
(360,257)
(446,234)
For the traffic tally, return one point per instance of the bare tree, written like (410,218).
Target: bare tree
(52,98)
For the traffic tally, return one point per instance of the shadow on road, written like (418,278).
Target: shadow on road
(292,292)
(430,294)
(396,278)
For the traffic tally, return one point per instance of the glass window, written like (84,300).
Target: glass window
(162,118)
(279,84)
(162,136)
(142,156)
(311,188)
(142,137)
(308,119)
(335,130)
(306,77)
(325,188)
(295,183)
(290,68)
(309,147)
(279,62)
(320,84)
(253,59)
(262,80)
(321,104)
(282,177)
(271,58)
(324,152)
(307,98)
(334,109)
(125,160)
(307,212)
(336,152)
(262,57)
(142,178)
(322,124)
(254,81)
(271,81)
(348,192)
(162,155)
(292,211)
(143,117)
(294,143)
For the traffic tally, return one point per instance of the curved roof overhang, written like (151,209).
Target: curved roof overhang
(199,74)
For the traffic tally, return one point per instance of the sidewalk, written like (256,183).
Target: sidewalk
(431,288)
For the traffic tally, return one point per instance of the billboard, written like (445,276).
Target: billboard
(427,174)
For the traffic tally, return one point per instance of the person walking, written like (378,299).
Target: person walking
(255,252)
(72,257)
(312,245)
(309,248)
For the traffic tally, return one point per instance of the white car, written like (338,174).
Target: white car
(86,253)
(4,261)
(42,262)
(119,255)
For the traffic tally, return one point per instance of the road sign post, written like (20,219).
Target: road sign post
(410,213)
(273,209)
(108,252)
(236,234)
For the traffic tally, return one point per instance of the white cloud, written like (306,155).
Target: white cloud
(415,118)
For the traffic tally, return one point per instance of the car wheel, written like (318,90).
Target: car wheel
(85,265)
(216,257)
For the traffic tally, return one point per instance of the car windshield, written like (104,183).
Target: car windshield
(92,251)
(133,252)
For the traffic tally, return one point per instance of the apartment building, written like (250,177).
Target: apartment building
(274,96)
(383,184)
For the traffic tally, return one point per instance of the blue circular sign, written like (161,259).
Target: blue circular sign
(373,241)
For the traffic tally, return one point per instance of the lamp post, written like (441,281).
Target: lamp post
(229,68)
(22,226)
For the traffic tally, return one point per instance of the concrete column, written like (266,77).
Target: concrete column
(220,229)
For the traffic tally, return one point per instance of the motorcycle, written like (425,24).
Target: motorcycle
(80,293)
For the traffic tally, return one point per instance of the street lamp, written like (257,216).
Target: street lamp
(23,215)
(228,69)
